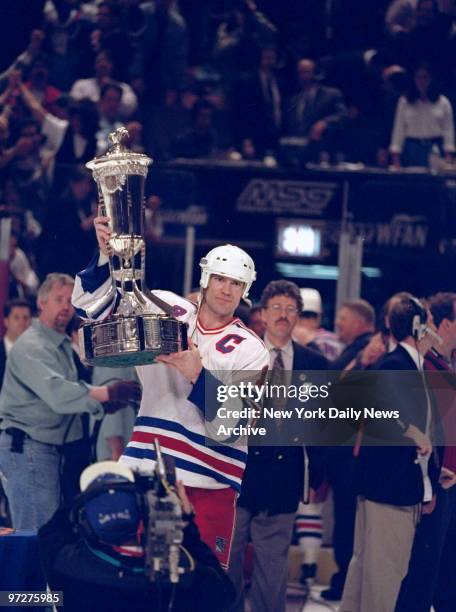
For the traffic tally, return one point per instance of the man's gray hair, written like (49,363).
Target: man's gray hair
(54,278)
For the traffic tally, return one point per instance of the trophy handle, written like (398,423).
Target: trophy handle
(101,204)
(139,296)
(167,308)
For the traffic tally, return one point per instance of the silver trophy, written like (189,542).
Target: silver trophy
(134,334)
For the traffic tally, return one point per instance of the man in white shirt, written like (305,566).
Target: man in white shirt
(91,88)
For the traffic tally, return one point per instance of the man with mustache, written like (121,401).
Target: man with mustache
(40,404)
(276,477)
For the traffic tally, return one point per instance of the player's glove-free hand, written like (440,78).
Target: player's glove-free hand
(124,391)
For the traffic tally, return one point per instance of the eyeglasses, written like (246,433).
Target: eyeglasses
(291,310)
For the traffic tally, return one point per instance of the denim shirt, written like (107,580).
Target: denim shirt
(41,392)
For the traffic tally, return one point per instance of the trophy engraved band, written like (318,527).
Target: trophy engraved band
(133,334)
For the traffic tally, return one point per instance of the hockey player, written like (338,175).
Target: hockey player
(217,342)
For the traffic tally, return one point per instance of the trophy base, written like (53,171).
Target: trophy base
(130,341)
(124,360)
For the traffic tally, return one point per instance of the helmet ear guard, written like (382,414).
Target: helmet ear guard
(229,261)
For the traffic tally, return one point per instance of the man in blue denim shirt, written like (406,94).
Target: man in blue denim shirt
(40,403)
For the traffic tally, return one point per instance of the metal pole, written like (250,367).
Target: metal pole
(356,265)
(189,256)
(343,262)
(350,258)
(343,267)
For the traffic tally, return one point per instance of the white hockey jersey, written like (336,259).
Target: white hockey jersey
(165,412)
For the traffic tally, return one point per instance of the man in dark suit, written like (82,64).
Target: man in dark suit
(17,316)
(316,111)
(276,477)
(394,479)
(355,324)
(257,105)
(431,578)
(200,140)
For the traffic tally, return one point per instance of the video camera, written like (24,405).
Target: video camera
(119,506)
(164,525)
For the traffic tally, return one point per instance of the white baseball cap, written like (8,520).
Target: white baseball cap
(311,300)
(105,470)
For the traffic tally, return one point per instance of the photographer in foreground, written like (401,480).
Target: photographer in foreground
(129,544)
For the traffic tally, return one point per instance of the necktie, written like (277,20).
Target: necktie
(278,369)
(275,399)
(278,377)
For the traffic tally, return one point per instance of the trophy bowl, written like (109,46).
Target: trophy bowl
(142,325)
(128,341)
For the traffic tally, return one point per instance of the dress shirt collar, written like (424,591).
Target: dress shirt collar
(8,344)
(287,349)
(55,337)
(414,354)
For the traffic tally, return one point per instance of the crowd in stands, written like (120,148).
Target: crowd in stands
(214,80)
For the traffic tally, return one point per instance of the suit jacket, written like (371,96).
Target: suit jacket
(284,466)
(253,115)
(327,104)
(389,474)
(350,352)
(3,358)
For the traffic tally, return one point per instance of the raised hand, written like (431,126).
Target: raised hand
(103,233)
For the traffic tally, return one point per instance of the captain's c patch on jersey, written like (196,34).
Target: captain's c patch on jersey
(228,343)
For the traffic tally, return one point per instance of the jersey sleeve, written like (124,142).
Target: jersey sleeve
(256,357)
(94,294)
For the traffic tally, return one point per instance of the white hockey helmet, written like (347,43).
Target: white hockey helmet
(231,261)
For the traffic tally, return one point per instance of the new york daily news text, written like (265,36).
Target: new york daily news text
(327,408)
